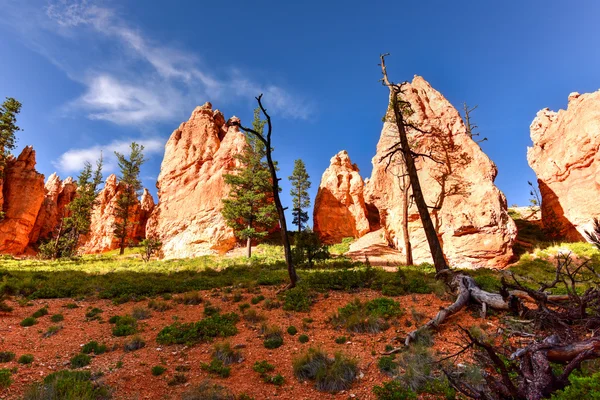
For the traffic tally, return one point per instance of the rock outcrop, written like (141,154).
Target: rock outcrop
(101,236)
(23,194)
(340,209)
(566,159)
(470,213)
(187,219)
(58,194)
(146,207)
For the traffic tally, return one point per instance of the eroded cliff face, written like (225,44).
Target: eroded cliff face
(23,194)
(187,219)
(566,159)
(340,209)
(101,236)
(469,211)
(58,194)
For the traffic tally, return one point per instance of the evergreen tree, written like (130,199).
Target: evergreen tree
(131,187)
(300,198)
(8,127)
(249,209)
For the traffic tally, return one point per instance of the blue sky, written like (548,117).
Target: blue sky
(96,75)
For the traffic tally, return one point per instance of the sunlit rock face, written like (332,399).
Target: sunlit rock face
(340,209)
(22,197)
(187,219)
(566,159)
(468,210)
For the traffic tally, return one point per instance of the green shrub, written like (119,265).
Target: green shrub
(257,299)
(140,313)
(303,338)
(158,370)
(68,385)
(270,304)
(220,325)
(52,330)
(5,377)
(226,354)
(388,365)
(216,367)
(393,390)
(6,356)
(158,305)
(29,321)
(210,391)
(41,312)
(134,344)
(369,317)
(292,330)
(57,318)
(125,326)
(330,375)
(343,247)
(80,360)
(273,337)
(581,387)
(253,316)
(25,359)
(93,347)
(263,367)
(244,306)
(178,379)
(299,299)
(71,306)
(190,299)
(210,310)
(341,339)
(277,380)
(94,313)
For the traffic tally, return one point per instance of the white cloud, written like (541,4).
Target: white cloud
(72,161)
(171,81)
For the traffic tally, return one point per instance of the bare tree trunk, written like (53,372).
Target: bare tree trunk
(275,182)
(249,244)
(437,254)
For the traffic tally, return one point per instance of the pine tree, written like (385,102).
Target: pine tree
(300,198)
(131,187)
(8,127)
(249,209)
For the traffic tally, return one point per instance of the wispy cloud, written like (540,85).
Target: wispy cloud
(72,161)
(167,81)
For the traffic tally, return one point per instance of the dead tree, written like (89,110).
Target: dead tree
(275,182)
(397,105)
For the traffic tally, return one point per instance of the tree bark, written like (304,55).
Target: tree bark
(249,244)
(437,254)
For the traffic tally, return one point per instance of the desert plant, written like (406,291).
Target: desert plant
(220,325)
(93,347)
(368,317)
(292,330)
(93,313)
(80,361)
(394,390)
(5,377)
(158,305)
(341,339)
(329,374)
(299,298)
(140,313)
(226,354)
(303,338)
(41,312)
(134,344)
(210,310)
(257,299)
(273,337)
(158,370)
(253,316)
(57,318)
(68,385)
(125,326)
(52,330)
(6,356)
(189,299)
(178,379)
(208,391)
(29,321)
(150,247)
(25,359)
(216,367)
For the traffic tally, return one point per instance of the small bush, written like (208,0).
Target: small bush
(244,306)
(94,313)
(57,318)
(158,305)
(299,299)
(41,312)
(6,356)
(220,325)
(263,367)
(210,310)
(581,387)
(80,361)
(134,344)
(292,330)
(369,317)
(253,316)
(341,339)
(158,370)
(273,337)
(93,347)
(70,306)
(5,377)
(330,375)
(178,379)
(393,390)
(388,365)
(226,354)
(140,313)
(25,359)
(257,299)
(68,385)
(52,330)
(303,338)
(216,367)
(189,299)
(270,304)
(125,326)
(209,391)
(29,321)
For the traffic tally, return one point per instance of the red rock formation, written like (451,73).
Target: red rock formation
(566,159)
(101,237)
(340,209)
(471,213)
(188,219)
(23,194)
(54,208)
(146,207)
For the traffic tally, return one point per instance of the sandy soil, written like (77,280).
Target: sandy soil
(135,381)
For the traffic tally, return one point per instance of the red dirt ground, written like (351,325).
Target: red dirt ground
(135,381)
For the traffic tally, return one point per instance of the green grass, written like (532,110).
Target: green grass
(330,375)
(341,248)
(368,317)
(220,325)
(71,385)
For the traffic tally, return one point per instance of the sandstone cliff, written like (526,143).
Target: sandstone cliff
(23,194)
(340,209)
(566,159)
(187,219)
